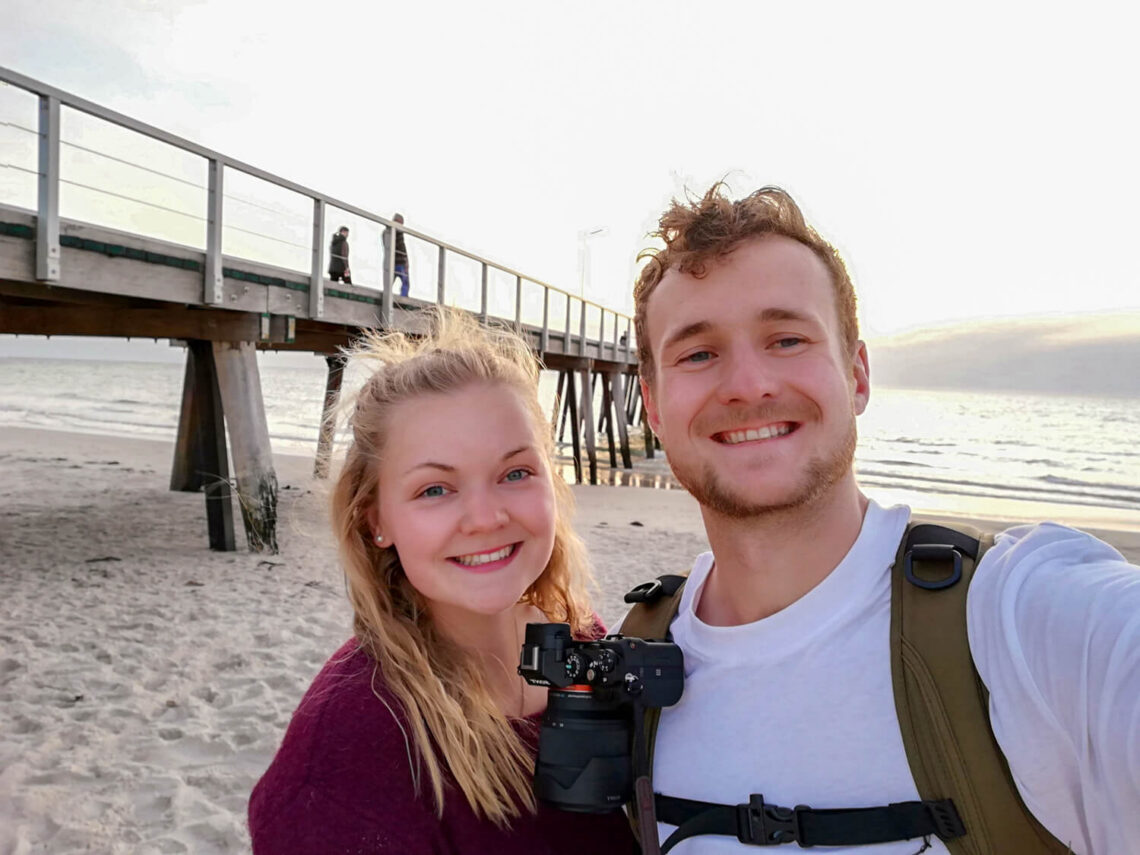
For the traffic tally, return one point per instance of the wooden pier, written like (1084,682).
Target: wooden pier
(61,277)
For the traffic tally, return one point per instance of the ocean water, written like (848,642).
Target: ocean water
(1018,454)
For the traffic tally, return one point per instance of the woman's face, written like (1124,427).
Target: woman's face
(467,500)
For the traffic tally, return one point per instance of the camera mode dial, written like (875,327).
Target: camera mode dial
(574,665)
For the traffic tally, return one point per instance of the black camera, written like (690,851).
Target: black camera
(598,692)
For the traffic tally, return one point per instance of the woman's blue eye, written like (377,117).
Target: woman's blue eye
(517,475)
(433,492)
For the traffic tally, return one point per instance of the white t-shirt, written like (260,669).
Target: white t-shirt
(799,706)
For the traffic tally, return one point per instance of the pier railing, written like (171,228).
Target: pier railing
(581,325)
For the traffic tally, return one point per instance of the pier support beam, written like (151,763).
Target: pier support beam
(606,422)
(646,430)
(572,408)
(588,421)
(240,386)
(200,448)
(328,417)
(618,410)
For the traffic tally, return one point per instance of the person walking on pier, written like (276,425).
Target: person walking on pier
(418,736)
(401,267)
(338,257)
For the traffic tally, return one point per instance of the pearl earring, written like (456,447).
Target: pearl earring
(379,539)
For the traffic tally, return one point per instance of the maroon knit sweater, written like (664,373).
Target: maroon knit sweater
(341,783)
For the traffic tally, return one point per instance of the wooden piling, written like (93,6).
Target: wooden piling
(240,387)
(588,421)
(607,420)
(557,407)
(200,447)
(572,408)
(619,398)
(328,417)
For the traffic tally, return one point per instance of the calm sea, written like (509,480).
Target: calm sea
(1016,453)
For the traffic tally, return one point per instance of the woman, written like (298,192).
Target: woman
(418,736)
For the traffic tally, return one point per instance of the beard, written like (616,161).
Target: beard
(820,475)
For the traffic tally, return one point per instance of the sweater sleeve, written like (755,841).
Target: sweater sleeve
(1054,626)
(341,781)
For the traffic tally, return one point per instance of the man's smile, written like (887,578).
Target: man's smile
(753,434)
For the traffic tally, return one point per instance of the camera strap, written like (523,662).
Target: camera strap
(760,824)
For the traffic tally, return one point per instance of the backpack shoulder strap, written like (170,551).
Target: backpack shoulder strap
(655,604)
(941,702)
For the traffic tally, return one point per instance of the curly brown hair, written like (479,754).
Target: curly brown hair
(699,233)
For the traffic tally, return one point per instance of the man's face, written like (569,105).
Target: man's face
(755,394)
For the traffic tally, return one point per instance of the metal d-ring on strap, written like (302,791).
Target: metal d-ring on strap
(760,824)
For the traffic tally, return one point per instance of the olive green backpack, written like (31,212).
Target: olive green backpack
(969,799)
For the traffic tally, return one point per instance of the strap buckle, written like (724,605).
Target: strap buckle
(933,552)
(760,824)
(646,592)
(947,823)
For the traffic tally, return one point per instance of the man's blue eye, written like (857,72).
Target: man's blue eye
(789,341)
(433,492)
(517,475)
(699,356)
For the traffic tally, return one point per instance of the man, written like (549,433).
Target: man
(338,257)
(753,375)
(401,267)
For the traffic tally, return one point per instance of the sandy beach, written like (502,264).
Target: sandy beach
(145,681)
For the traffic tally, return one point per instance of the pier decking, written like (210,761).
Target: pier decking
(63,276)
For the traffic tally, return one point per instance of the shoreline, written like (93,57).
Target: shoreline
(145,681)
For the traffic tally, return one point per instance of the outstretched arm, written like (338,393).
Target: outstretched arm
(1054,622)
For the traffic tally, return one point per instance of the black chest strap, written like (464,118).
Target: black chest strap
(759,824)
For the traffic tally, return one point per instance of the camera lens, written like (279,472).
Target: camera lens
(584,752)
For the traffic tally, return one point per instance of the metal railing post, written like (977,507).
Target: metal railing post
(566,343)
(47,217)
(389,275)
(215,195)
(317,271)
(483,299)
(545,319)
(439,289)
(582,329)
(518,302)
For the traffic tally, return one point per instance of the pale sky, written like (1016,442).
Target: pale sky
(969,160)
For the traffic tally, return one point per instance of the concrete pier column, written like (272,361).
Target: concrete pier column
(240,386)
(200,447)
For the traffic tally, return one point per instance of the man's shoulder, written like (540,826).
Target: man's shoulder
(1046,547)
(1036,574)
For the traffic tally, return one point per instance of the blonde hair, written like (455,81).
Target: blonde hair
(455,724)
(700,232)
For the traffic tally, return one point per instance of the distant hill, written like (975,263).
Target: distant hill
(1072,355)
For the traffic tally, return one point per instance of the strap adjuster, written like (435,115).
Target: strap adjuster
(947,823)
(646,592)
(760,824)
